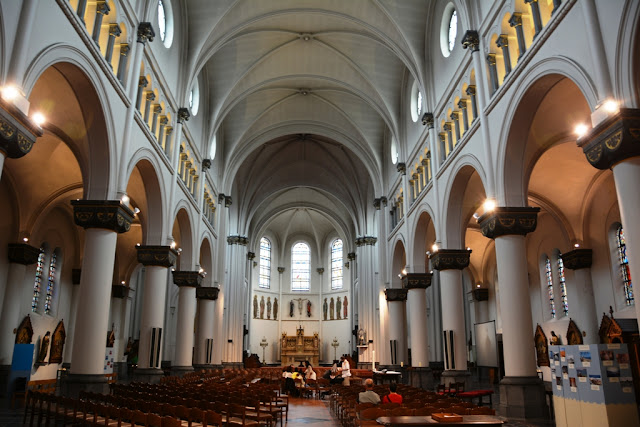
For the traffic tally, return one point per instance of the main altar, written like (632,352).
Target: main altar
(298,348)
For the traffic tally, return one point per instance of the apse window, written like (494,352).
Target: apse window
(563,286)
(625,273)
(265,264)
(165,22)
(336,264)
(448,30)
(300,267)
(37,285)
(549,277)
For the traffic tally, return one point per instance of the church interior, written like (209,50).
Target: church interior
(441,188)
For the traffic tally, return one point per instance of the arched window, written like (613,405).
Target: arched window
(300,267)
(37,285)
(453,30)
(563,286)
(162,20)
(265,263)
(51,282)
(624,266)
(336,264)
(549,276)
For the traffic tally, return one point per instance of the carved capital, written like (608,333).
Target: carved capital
(280,270)
(251,256)
(427,120)
(351,256)
(471,90)
(145,32)
(183,115)
(616,139)
(206,164)
(462,103)
(577,259)
(189,279)
(491,59)
(503,41)
(157,109)
(160,256)
(17,132)
(366,240)
(383,200)
(447,126)
(396,294)
(114,30)
(402,168)
(150,96)
(21,253)
(503,221)
(124,49)
(450,259)
(227,201)
(107,214)
(416,280)
(102,8)
(207,293)
(376,204)
(142,81)
(516,19)
(119,291)
(471,40)
(237,240)
(320,270)
(164,120)
(480,294)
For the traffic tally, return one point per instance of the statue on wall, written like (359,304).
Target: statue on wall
(268,307)
(291,307)
(255,306)
(339,309)
(308,308)
(57,344)
(344,307)
(325,306)
(44,349)
(275,309)
(262,307)
(331,309)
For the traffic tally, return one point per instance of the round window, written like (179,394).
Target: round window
(416,102)
(448,30)
(394,151)
(165,22)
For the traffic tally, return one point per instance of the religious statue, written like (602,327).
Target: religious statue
(111,338)
(362,337)
(44,348)
(262,307)
(339,309)
(308,308)
(255,306)
(325,306)
(331,309)
(275,309)
(291,307)
(555,340)
(268,307)
(344,307)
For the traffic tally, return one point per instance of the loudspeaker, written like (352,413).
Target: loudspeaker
(208,350)
(154,347)
(449,354)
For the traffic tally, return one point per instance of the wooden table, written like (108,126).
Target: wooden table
(386,377)
(467,420)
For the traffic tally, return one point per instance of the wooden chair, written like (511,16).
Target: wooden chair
(171,422)
(236,416)
(213,419)
(389,405)
(460,410)
(153,420)
(424,411)
(482,410)
(401,412)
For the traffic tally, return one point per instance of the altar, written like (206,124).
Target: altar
(298,348)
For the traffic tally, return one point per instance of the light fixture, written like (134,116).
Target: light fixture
(125,200)
(611,106)
(476,216)
(489,205)
(478,285)
(428,253)
(38,118)
(25,239)
(179,250)
(9,93)
(137,244)
(122,282)
(136,211)
(468,248)
(576,245)
(434,248)
(581,130)
(173,244)
(201,270)
(404,271)
(400,276)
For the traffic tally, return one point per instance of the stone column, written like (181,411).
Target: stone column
(102,221)
(521,391)
(18,133)
(114,31)
(462,105)
(20,255)
(516,21)
(187,281)
(396,299)
(416,284)
(82,8)
(206,297)
(76,274)
(471,91)
(535,13)
(450,263)
(102,9)
(147,106)
(615,144)
(122,64)
(455,116)
(142,83)
(503,43)
(493,72)
(157,261)
(447,129)
(157,109)
(237,256)
(119,296)
(579,260)
(480,298)
(20,48)
(368,298)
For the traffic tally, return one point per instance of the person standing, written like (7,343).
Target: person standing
(345,371)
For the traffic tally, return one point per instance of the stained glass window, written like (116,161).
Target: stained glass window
(336,264)
(419,103)
(453,30)
(38,281)
(162,20)
(563,286)
(265,263)
(552,304)
(300,267)
(51,283)
(624,266)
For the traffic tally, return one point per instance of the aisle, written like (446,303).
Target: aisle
(309,412)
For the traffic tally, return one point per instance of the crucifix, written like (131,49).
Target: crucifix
(300,301)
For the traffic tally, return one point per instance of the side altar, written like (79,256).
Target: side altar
(298,348)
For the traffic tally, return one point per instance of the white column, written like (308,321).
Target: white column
(237,259)
(517,326)
(186,314)
(451,300)
(73,311)
(417,304)
(153,299)
(92,318)
(2,157)
(397,319)
(206,308)
(597,48)
(118,313)
(585,305)
(20,46)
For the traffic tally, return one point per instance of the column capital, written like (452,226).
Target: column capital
(491,58)
(447,126)
(471,90)
(503,221)
(237,240)
(516,19)
(251,256)
(462,103)
(450,259)
(22,253)
(183,115)
(107,214)
(114,30)
(480,294)
(615,139)
(206,164)
(157,108)
(427,120)
(124,49)
(159,256)
(17,132)
(119,291)
(142,81)
(320,270)
(396,294)
(207,293)
(425,161)
(189,279)
(454,115)
(376,204)
(471,40)
(145,32)
(503,40)
(577,259)
(280,270)
(102,7)
(416,280)
(151,96)
(402,168)
(351,256)
(164,120)
(366,240)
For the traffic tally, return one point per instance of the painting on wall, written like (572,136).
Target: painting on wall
(57,344)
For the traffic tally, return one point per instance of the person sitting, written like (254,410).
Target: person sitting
(309,373)
(392,397)
(334,374)
(368,396)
